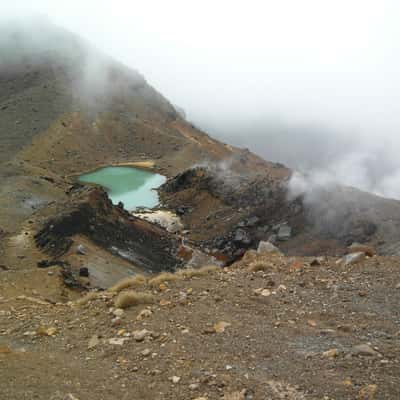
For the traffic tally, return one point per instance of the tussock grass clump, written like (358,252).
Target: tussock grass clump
(88,297)
(164,277)
(259,266)
(132,298)
(130,281)
(198,272)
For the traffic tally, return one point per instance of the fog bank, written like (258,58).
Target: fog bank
(312,84)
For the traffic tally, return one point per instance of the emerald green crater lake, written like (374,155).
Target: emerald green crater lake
(132,186)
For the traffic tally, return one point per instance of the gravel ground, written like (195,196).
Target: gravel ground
(287,331)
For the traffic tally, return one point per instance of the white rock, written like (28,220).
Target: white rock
(80,249)
(146,352)
(353,258)
(117,341)
(168,220)
(119,312)
(175,379)
(194,386)
(139,336)
(267,247)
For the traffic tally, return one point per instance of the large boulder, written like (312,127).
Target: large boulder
(284,233)
(267,248)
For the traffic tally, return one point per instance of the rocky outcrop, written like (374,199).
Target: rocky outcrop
(230,212)
(91,213)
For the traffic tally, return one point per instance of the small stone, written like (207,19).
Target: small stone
(146,352)
(139,336)
(220,326)
(175,379)
(347,382)
(312,323)
(332,353)
(208,330)
(119,312)
(84,271)
(363,350)
(117,341)
(93,342)
(146,313)
(162,287)
(116,321)
(194,386)
(327,331)
(43,331)
(317,261)
(345,328)
(265,292)
(51,331)
(80,249)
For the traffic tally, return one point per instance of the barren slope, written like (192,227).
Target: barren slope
(289,331)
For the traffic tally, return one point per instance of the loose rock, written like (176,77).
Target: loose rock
(139,336)
(353,258)
(93,342)
(363,350)
(267,247)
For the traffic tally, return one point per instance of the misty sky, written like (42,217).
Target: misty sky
(311,83)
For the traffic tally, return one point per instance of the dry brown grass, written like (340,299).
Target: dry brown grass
(198,272)
(131,281)
(164,277)
(132,298)
(88,297)
(259,266)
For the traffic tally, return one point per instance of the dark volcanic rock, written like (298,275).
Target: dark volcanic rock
(230,211)
(242,237)
(84,271)
(92,214)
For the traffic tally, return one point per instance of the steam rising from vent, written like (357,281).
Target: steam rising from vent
(355,170)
